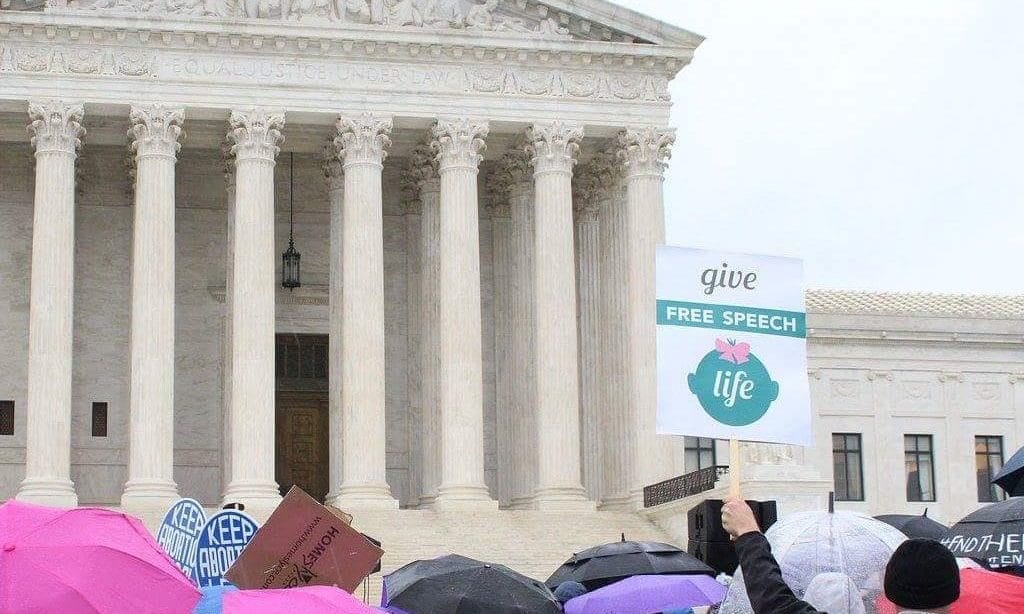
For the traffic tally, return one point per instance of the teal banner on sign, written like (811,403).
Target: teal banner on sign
(732,317)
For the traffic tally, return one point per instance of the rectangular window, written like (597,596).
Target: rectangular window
(99,419)
(6,417)
(700,453)
(847,466)
(988,460)
(919,461)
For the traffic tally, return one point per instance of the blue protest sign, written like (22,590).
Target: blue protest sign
(222,539)
(179,534)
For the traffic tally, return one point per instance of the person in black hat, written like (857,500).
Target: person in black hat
(921,577)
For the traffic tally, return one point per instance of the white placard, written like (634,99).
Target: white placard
(732,347)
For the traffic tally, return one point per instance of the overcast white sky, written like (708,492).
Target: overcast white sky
(882,141)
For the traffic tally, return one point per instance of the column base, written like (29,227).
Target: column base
(259,498)
(521,503)
(54,492)
(563,500)
(463,498)
(149,495)
(617,504)
(363,498)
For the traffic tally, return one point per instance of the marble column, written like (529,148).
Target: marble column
(554,147)
(361,144)
(516,165)
(587,195)
(335,175)
(501,244)
(228,162)
(155,132)
(412,208)
(57,133)
(459,144)
(618,442)
(255,135)
(424,171)
(644,151)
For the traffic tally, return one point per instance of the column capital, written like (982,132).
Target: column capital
(155,129)
(495,193)
(553,146)
(363,140)
(514,168)
(459,143)
(332,166)
(227,161)
(256,133)
(56,126)
(593,182)
(645,150)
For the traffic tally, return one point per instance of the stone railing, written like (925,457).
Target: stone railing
(683,486)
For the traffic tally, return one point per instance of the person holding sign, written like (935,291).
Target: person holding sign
(921,577)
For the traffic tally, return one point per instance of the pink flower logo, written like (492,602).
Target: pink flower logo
(730,351)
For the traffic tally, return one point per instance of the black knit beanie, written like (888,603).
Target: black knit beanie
(922,574)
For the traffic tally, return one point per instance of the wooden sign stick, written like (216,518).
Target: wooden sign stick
(734,468)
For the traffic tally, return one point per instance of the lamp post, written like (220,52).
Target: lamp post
(291,259)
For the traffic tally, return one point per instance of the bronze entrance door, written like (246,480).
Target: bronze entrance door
(302,448)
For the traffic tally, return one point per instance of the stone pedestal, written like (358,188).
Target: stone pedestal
(255,135)
(57,133)
(155,131)
(357,313)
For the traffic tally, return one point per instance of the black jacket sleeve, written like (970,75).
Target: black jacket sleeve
(766,589)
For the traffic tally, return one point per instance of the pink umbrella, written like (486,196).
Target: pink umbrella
(306,599)
(85,561)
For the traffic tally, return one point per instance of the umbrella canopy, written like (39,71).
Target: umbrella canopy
(1011,477)
(648,595)
(980,591)
(608,563)
(85,560)
(913,525)
(304,599)
(807,544)
(459,585)
(994,533)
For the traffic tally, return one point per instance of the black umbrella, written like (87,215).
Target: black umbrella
(913,525)
(994,534)
(456,584)
(1011,477)
(603,565)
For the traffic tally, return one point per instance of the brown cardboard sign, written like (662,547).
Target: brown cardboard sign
(304,543)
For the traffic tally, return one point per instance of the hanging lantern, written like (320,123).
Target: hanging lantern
(291,259)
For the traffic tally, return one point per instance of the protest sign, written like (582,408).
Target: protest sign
(305,543)
(221,541)
(179,534)
(732,351)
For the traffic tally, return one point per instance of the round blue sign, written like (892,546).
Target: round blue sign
(179,533)
(732,385)
(223,538)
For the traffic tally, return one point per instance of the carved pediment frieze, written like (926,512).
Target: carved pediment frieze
(525,17)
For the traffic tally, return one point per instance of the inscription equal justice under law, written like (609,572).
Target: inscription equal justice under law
(301,72)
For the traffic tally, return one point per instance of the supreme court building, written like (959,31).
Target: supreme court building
(475,189)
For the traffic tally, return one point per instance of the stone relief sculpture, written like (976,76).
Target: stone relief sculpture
(478,15)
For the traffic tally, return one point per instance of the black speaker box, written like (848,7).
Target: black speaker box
(720,556)
(704,521)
